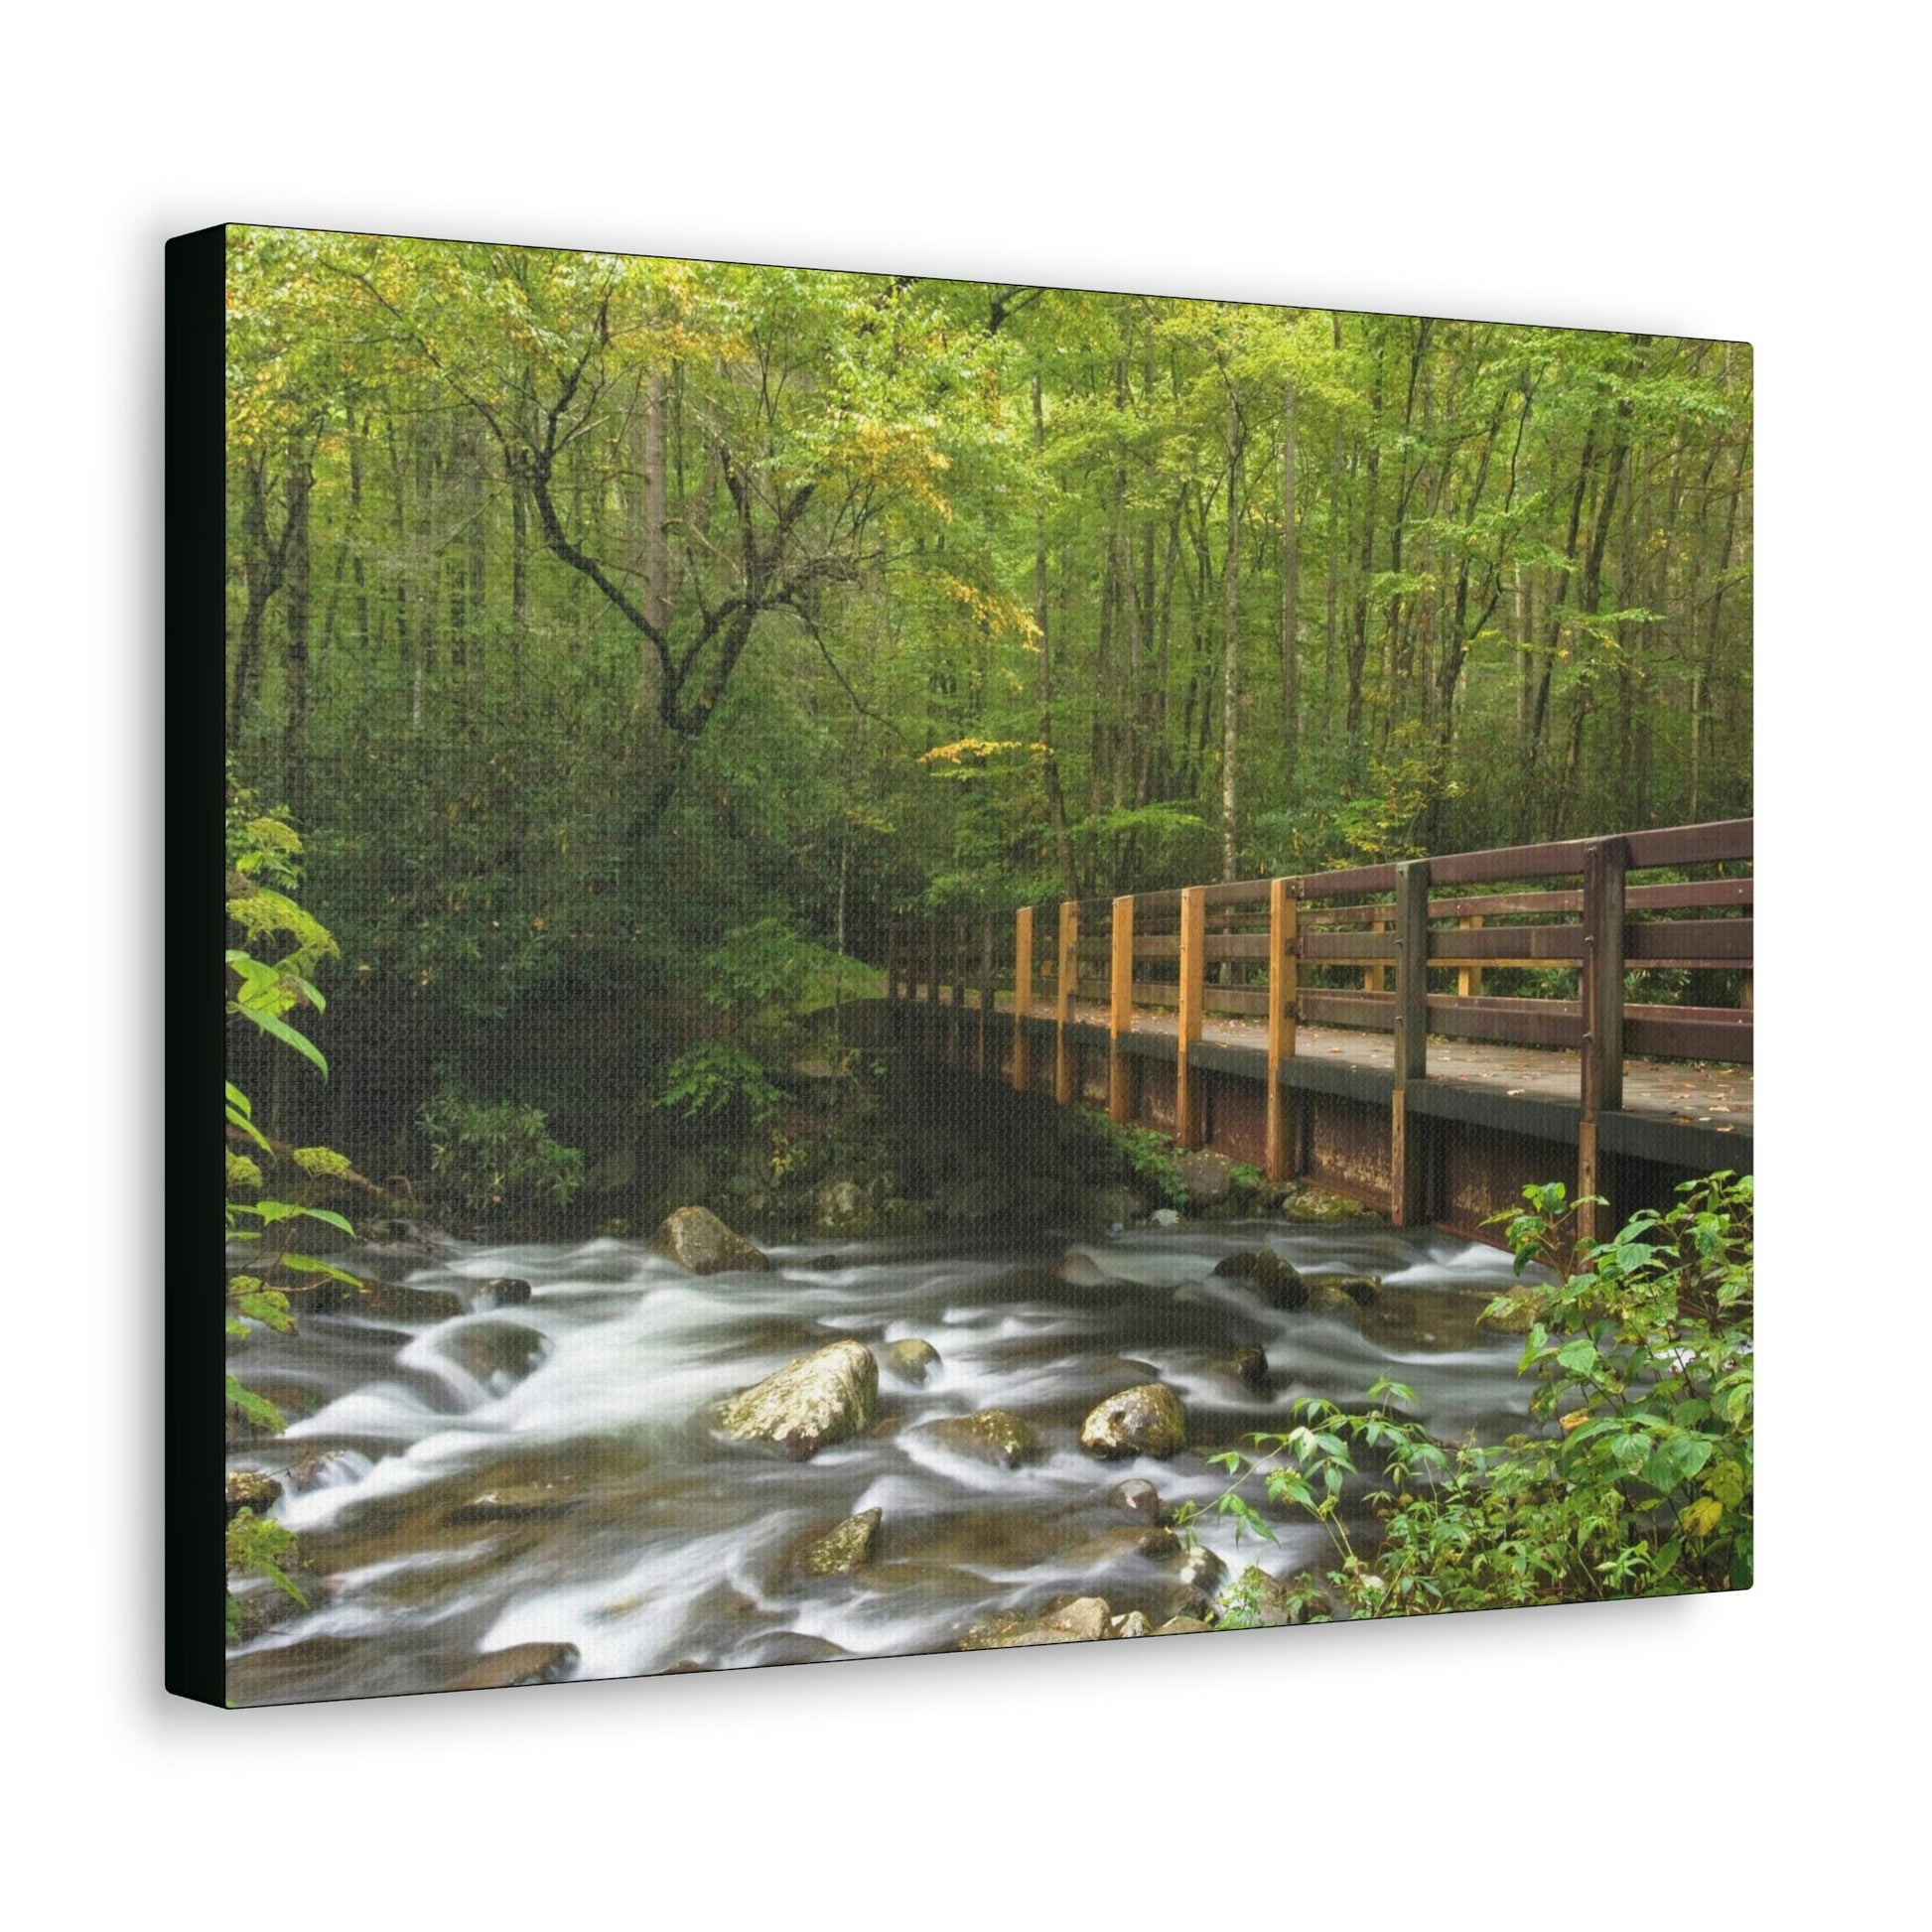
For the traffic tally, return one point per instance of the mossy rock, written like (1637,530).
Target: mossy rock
(1514,1312)
(1147,1420)
(1247,1368)
(843,1550)
(1086,1619)
(913,1360)
(695,1238)
(1278,1282)
(820,1398)
(1320,1204)
(995,1435)
(251,1489)
(1182,1627)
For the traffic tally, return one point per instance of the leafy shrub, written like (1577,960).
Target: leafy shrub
(264,846)
(1147,1156)
(1642,1483)
(717,1076)
(491,1154)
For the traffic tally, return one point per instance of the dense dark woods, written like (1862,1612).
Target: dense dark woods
(595,617)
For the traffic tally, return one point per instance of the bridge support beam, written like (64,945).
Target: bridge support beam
(1023,997)
(1064,990)
(1187,1110)
(1120,1013)
(1604,864)
(1283,987)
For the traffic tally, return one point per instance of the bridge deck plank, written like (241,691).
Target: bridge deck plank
(1700,1094)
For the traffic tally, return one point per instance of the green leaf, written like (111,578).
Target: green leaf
(258,1409)
(282,1030)
(309,1265)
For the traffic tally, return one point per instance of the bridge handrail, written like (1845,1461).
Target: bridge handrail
(1269,940)
(1114,954)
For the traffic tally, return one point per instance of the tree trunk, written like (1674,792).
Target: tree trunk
(1708,661)
(1358,638)
(1290,597)
(1230,655)
(1043,685)
(295,754)
(263,563)
(652,559)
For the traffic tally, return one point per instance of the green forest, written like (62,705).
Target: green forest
(595,617)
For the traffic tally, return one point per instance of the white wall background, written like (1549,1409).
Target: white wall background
(1725,171)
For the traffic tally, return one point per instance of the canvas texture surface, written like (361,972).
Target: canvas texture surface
(926,965)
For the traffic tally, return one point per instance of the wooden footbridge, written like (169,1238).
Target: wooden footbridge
(1337,1025)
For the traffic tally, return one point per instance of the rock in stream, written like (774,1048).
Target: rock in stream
(1144,1420)
(820,1398)
(695,1238)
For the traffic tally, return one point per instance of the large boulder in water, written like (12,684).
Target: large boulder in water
(253,1491)
(1343,1300)
(1084,1620)
(1275,1281)
(843,1550)
(501,1291)
(1140,1499)
(912,1360)
(993,1436)
(377,1301)
(1246,1368)
(498,1354)
(820,1398)
(695,1238)
(1144,1420)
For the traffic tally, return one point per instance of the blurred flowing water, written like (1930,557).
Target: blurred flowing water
(549,1473)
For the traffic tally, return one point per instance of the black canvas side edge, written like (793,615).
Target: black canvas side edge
(193,549)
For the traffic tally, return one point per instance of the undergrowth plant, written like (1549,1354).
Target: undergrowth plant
(270,1189)
(496,1156)
(1147,1156)
(1639,1479)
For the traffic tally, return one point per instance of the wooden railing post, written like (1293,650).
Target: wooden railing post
(1406,1175)
(1023,996)
(1193,954)
(1469,979)
(981,1065)
(1284,984)
(1375,976)
(1605,862)
(1120,1013)
(1069,978)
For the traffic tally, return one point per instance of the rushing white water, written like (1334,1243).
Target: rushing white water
(548,1472)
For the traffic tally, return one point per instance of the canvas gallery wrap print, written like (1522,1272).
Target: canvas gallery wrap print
(919,965)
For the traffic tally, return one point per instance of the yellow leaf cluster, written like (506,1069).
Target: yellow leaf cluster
(1000,614)
(975,749)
